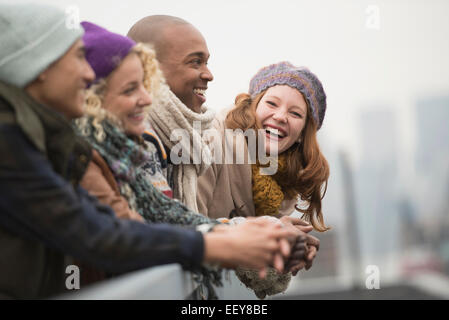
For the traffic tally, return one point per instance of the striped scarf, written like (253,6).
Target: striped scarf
(125,158)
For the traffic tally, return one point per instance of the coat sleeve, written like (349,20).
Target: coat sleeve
(38,204)
(206,188)
(207,182)
(95,182)
(215,197)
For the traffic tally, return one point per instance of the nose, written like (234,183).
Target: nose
(206,74)
(145,97)
(280,115)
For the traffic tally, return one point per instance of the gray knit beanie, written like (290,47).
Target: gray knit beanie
(32,37)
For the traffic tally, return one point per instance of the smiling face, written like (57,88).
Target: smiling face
(184,64)
(282,113)
(126,95)
(62,85)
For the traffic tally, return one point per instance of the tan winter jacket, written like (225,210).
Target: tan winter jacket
(226,187)
(100,182)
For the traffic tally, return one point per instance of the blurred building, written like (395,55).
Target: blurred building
(376,188)
(432,133)
(432,157)
(429,238)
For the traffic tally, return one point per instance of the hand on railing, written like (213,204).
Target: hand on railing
(255,244)
(303,254)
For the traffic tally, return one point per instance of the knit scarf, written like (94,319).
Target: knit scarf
(125,158)
(267,194)
(168,113)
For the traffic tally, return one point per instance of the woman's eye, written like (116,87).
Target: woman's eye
(129,90)
(271,103)
(296,114)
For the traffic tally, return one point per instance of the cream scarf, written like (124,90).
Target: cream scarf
(168,113)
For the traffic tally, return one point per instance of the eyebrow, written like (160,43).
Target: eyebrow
(198,54)
(130,83)
(294,106)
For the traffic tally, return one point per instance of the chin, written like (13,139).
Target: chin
(77,112)
(275,151)
(195,106)
(136,131)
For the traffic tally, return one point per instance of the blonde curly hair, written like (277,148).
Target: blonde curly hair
(93,103)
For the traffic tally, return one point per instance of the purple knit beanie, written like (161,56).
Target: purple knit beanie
(104,49)
(300,78)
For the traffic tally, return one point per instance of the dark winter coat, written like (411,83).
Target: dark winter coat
(46,217)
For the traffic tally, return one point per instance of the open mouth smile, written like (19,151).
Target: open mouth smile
(137,116)
(274,133)
(200,93)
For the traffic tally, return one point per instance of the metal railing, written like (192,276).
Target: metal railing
(168,282)
(172,283)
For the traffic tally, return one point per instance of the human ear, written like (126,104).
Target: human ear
(42,76)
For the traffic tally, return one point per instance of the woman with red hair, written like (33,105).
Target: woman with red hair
(286,105)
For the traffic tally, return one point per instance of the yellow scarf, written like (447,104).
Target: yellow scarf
(267,194)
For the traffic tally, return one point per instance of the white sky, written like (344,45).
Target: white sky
(406,58)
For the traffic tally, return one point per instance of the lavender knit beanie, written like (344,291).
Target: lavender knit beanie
(300,78)
(104,49)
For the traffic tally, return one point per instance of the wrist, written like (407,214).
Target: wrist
(212,247)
